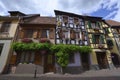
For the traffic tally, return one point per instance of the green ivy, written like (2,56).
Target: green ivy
(61,51)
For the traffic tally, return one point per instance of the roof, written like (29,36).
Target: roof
(112,23)
(41,20)
(57,12)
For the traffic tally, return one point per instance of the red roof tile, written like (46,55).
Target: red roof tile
(112,23)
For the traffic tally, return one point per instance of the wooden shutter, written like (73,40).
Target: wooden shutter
(93,38)
(22,34)
(40,33)
(102,39)
(72,34)
(13,59)
(98,24)
(35,34)
(52,33)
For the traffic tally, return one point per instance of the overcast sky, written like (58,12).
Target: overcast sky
(108,9)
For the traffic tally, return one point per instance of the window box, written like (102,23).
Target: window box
(100,46)
(27,40)
(44,40)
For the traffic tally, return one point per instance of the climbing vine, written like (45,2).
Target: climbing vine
(61,51)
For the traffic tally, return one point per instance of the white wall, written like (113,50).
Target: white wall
(77,60)
(4,53)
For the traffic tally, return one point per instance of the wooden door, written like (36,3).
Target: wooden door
(49,63)
(38,59)
(102,60)
(85,61)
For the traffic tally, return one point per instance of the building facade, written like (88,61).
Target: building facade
(86,31)
(66,28)
(35,29)
(115,29)
(8,28)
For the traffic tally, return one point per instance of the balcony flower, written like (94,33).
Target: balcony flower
(27,40)
(44,40)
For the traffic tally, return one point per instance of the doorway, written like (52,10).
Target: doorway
(49,63)
(115,59)
(85,61)
(102,60)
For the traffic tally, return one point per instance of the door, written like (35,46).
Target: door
(85,61)
(38,59)
(102,60)
(49,63)
(115,59)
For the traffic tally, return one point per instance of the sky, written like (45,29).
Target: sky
(108,9)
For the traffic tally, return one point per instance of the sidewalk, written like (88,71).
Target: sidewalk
(91,73)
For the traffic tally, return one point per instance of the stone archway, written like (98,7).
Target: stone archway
(115,59)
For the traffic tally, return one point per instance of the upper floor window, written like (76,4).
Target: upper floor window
(65,34)
(94,25)
(5,27)
(45,33)
(29,33)
(97,39)
(71,20)
(1,47)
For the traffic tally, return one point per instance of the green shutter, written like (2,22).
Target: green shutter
(98,24)
(107,30)
(93,38)
(89,25)
(102,39)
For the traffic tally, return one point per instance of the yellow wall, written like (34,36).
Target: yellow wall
(115,49)
(93,57)
(13,27)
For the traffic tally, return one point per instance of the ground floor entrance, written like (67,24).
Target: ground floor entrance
(45,60)
(115,59)
(85,61)
(102,60)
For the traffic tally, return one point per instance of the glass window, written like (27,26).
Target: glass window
(28,33)
(45,33)
(5,27)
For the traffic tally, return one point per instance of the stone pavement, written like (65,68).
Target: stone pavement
(105,74)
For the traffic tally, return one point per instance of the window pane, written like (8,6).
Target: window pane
(5,27)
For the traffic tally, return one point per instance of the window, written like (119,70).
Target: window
(5,27)
(45,33)
(77,35)
(110,42)
(71,58)
(71,20)
(65,34)
(29,33)
(98,39)
(1,47)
